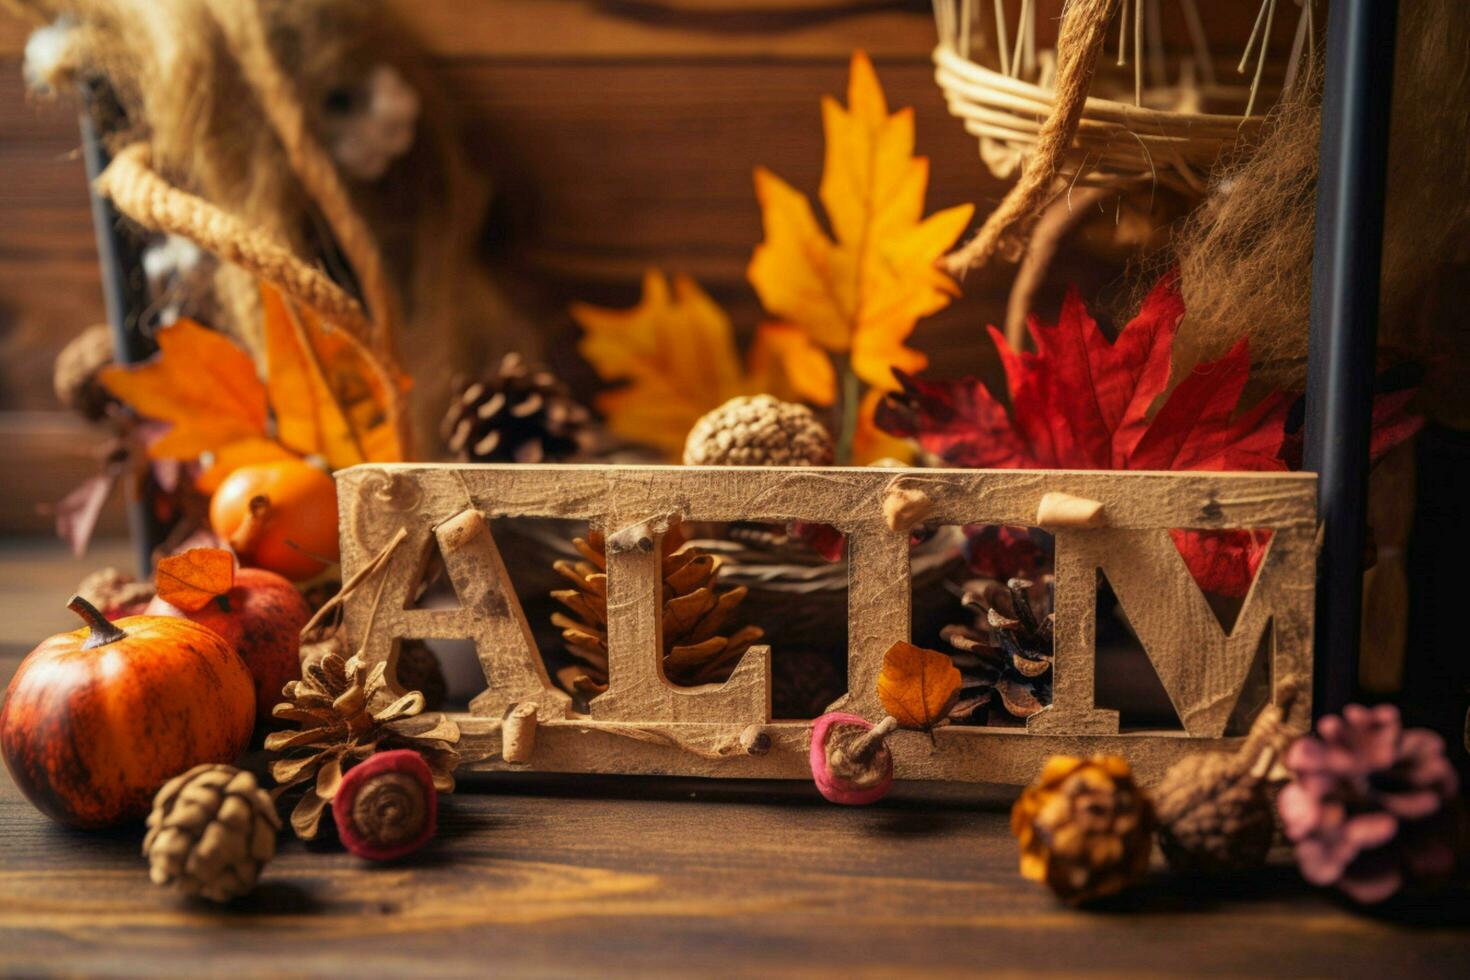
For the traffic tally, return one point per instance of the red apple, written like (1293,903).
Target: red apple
(261,617)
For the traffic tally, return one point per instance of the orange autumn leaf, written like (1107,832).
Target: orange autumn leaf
(243,452)
(917,686)
(327,398)
(675,354)
(870,443)
(327,394)
(193,579)
(862,289)
(201,383)
(784,362)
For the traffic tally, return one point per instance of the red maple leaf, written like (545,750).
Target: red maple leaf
(1081,402)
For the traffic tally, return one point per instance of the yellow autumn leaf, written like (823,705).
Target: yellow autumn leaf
(917,686)
(675,352)
(862,289)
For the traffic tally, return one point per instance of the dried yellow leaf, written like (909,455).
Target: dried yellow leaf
(862,290)
(917,686)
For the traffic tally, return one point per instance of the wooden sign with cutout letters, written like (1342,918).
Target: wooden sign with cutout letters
(1116,522)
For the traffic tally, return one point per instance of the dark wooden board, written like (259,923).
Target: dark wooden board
(581,876)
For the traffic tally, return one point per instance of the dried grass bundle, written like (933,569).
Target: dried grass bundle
(185,81)
(1245,254)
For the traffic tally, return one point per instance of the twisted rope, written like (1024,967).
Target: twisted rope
(1079,46)
(145,197)
(245,32)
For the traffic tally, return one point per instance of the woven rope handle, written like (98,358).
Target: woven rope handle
(137,191)
(1079,45)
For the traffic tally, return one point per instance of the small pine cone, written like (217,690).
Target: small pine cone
(803,683)
(515,414)
(1216,810)
(74,375)
(211,831)
(1372,806)
(758,431)
(418,670)
(1085,829)
(116,593)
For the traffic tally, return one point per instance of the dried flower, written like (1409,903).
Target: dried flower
(1216,809)
(1370,805)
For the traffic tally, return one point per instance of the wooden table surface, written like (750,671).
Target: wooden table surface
(572,876)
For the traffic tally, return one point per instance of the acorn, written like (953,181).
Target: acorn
(850,760)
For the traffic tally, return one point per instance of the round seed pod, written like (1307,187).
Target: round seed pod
(386,806)
(758,430)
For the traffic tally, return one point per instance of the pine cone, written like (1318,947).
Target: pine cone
(1217,810)
(417,669)
(758,431)
(211,831)
(1007,654)
(116,593)
(803,684)
(1085,828)
(694,612)
(515,414)
(347,712)
(74,375)
(1370,806)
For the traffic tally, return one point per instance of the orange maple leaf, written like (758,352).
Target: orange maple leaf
(676,353)
(917,686)
(862,290)
(194,578)
(201,383)
(328,396)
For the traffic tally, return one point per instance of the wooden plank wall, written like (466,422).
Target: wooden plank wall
(618,134)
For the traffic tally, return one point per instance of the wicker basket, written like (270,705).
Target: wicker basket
(1169,132)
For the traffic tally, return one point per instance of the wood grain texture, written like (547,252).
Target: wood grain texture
(572,876)
(645,724)
(46,454)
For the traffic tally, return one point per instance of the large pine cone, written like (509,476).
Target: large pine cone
(1085,829)
(1371,806)
(347,711)
(211,831)
(515,414)
(1006,655)
(694,612)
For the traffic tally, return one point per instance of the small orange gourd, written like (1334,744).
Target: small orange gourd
(280,516)
(96,720)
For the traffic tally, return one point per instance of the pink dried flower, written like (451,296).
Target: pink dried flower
(1370,805)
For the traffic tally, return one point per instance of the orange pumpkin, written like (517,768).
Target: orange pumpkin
(96,720)
(280,516)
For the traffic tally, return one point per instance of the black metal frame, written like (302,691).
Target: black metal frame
(1343,335)
(125,297)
